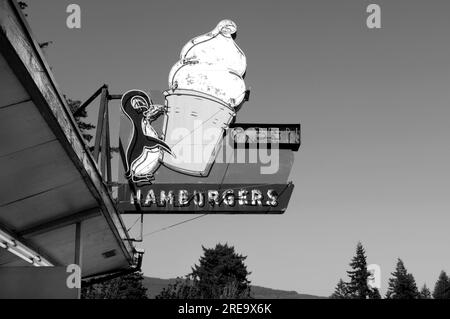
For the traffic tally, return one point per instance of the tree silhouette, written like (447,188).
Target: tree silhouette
(125,287)
(341,291)
(442,287)
(219,269)
(402,285)
(424,292)
(183,288)
(80,119)
(374,293)
(357,287)
(220,274)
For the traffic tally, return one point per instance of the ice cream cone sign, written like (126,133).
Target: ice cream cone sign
(187,154)
(206,86)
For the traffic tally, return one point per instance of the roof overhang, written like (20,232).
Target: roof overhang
(49,180)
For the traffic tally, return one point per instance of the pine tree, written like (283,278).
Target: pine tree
(442,287)
(183,288)
(221,273)
(357,287)
(424,292)
(125,287)
(374,293)
(341,291)
(80,119)
(402,285)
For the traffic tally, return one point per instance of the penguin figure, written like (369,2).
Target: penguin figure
(145,148)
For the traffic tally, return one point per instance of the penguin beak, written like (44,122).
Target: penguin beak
(161,144)
(167,149)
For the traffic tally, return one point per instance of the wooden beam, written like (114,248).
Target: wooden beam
(101,118)
(108,150)
(115,97)
(89,100)
(104,155)
(78,258)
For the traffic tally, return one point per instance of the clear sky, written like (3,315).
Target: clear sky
(373,104)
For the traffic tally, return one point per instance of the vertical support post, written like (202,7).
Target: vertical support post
(101,117)
(108,148)
(103,152)
(142,228)
(78,260)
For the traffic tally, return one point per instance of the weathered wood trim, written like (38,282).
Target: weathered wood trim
(100,127)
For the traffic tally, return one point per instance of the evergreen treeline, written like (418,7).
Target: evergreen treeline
(402,284)
(220,274)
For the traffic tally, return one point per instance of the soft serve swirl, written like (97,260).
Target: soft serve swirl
(212,64)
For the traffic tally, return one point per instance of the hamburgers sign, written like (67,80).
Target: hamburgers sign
(188,155)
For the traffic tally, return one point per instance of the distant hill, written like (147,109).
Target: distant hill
(155,285)
(269,293)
